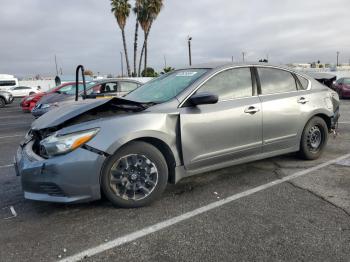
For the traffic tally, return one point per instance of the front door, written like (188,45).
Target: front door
(228,130)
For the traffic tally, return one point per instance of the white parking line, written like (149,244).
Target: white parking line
(2,137)
(172,221)
(346,122)
(6,166)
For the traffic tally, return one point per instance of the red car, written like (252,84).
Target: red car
(342,87)
(29,102)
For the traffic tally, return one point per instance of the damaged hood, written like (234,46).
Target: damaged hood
(62,114)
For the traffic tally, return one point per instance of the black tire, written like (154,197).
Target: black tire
(309,149)
(2,102)
(31,93)
(141,149)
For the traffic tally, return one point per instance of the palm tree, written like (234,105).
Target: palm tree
(149,10)
(121,11)
(136,10)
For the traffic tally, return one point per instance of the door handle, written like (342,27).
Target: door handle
(302,100)
(251,110)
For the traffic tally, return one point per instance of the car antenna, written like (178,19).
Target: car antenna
(77,81)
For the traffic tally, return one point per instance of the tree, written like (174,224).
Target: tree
(88,72)
(148,12)
(136,10)
(121,11)
(167,70)
(149,72)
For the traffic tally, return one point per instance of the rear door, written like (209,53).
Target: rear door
(228,130)
(281,108)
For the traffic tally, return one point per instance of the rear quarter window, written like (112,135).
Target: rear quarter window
(303,82)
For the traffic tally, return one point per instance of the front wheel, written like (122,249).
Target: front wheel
(314,139)
(135,175)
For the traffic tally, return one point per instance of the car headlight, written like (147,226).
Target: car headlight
(62,144)
(43,106)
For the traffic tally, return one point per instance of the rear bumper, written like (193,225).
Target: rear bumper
(70,178)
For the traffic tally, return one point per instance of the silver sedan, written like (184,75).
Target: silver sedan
(186,122)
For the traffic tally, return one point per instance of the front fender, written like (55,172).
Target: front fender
(117,131)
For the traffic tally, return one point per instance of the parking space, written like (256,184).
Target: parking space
(249,214)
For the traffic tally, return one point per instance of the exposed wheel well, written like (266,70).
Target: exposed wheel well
(327,119)
(165,150)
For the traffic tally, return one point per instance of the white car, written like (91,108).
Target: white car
(19,91)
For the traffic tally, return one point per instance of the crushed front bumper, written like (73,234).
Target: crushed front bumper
(70,178)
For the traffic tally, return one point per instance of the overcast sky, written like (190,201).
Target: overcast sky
(85,32)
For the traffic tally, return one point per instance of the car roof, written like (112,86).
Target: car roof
(116,79)
(215,65)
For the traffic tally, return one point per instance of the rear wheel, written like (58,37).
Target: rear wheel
(31,93)
(2,102)
(314,139)
(135,176)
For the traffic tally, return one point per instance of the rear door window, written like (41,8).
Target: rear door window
(274,81)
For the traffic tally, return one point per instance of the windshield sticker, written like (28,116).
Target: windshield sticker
(186,74)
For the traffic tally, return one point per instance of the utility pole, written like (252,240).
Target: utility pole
(121,63)
(165,61)
(232,59)
(189,49)
(338,58)
(56,66)
(243,56)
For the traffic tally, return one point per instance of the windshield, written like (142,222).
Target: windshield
(166,87)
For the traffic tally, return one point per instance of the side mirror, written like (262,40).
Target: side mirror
(203,99)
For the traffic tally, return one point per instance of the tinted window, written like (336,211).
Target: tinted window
(232,83)
(304,82)
(7,83)
(109,88)
(276,81)
(127,86)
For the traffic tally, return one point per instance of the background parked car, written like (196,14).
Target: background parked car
(29,102)
(19,91)
(5,98)
(96,89)
(342,87)
(7,82)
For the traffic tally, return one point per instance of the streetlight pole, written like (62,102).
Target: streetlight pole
(56,66)
(189,50)
(121,63)
(338,58)
(243,56)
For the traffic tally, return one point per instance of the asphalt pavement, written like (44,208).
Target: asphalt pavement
(278,209)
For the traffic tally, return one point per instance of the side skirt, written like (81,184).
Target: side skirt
(181,172)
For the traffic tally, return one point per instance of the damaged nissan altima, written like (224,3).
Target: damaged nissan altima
(183,123)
